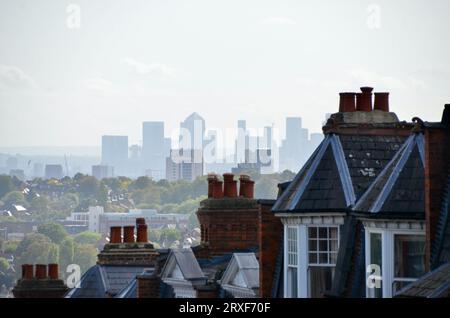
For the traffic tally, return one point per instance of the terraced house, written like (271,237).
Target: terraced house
(367,214)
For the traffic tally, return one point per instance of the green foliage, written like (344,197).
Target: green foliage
(10,247)
(169,236)
(87,237)
(66,252)
(85,256)
(37,248)
(14,197)
(4,265)
(54,231)
(6,185)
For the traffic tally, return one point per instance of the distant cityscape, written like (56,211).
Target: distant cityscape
(196,152)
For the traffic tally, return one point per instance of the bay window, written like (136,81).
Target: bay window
(322,252)
(310,259)
(397,254)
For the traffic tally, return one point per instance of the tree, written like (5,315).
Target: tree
(14,197)
(36,248)
(169,236)
(6,185)
(66,252)
(85,256)
(40,204)
(6,275)
(89,186)
(87,237)
(142,183)
(56,232)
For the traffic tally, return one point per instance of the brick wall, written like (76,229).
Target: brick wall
(229,224)
(148,286)
(270,238)
(436,167)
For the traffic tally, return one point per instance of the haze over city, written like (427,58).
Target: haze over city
(67,84)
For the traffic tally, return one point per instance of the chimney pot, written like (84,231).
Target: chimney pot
(53,271)
(140,221)
(250,185)
(115,236)
(229,186)
(128,234)
(347,102)
(27,271)
(382,102)
(243,185)
(217,190)
(212,178)
(142,236)
(364,100)
(41,271)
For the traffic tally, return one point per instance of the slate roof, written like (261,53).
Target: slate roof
(187,262)
(101,281)
(435,284)
(337,174)
(249,267)
(399,188)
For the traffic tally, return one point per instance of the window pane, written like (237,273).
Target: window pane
(312,232)
(292,282)
(323,246)
(323,258)
(312,258)
(333,232)
(323,233)
(375,259)
(319,280)
(333,245)
(312,245)
(333,258)
(409,256)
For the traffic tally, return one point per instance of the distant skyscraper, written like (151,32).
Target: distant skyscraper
(53,171)
(178,168)
(100,171)
(195,125)
(115,152)
(38,170)
(242,142)
(153,148)
(294,149)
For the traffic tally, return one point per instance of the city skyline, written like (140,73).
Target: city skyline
(274,60)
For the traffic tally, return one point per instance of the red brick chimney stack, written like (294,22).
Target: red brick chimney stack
(128,234)
(382,102)
(347,102)
(115,236)
(53,271)
(229,185)
(40,271)
(27,271)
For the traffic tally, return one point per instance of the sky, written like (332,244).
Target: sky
(71,71)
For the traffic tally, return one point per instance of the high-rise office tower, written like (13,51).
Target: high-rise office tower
(115,152)
(242,142)
(192,132)
(153,150)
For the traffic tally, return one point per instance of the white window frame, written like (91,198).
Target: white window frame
(387,257)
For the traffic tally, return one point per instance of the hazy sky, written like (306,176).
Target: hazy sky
(133,61)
